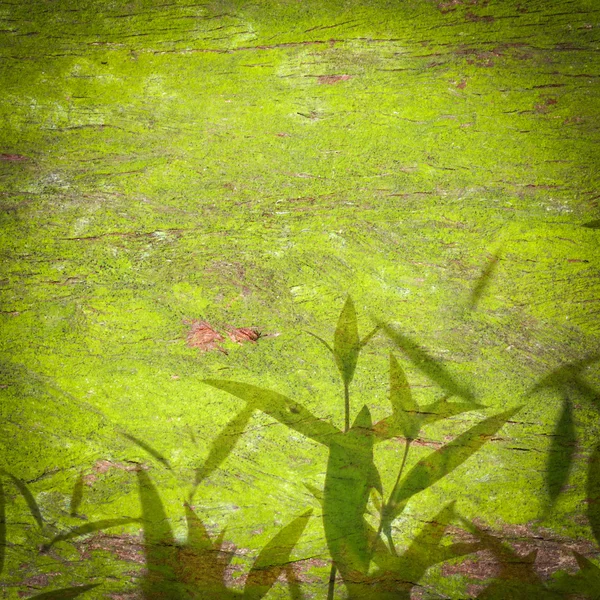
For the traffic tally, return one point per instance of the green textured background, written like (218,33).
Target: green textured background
(252,164)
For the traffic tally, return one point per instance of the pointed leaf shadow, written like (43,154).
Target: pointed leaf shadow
(350,476)
(148,448)
(442,462)
(518,578)
(65,593)
(29,499)
(399,574)
(433,368)
(483,281)
(77,495)
(562,451)
(294,583)
(274,558)
(585,583)
(403,404)
(89,528)
(201,563)
(159,544)
(567,380)
(2,526)
(592,224)
(593,492)
(224,444)
(279,407)
(346,343)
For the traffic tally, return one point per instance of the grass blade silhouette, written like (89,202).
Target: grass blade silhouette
(346,348)
(29,499)
(350,476)
(279,407)
(593,493)
(159,544)
(562,451)
(201,564)
(148,448)
(2,526)
(89,528)
(65,593)
(224,444)
(433,368)
(77,495)
(442,462)
(483,281)
(592,224)
(274,558)
(404,407)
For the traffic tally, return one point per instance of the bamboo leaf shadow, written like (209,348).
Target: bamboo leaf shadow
(224,444)
(517,578)
(350,476)
(592,224)
(346,343)
(274,558)
(585,583)
(483,281)
(148,448)
(442,462)
(279,407)
(2,526)
(433,368)
(65,593)
(77,495)
(89,528)
(29,499)
(593,493)
(562,451)
(202,563)
(397,575)
(159,544)
(567,380)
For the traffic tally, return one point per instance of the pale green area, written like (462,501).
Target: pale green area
(185,161)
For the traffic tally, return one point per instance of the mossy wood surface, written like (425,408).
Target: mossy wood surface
(172,169)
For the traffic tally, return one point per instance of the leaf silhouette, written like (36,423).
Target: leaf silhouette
(562,450)
(442,462)
(593,492)
(224,444)
(518,578)
(397,575)
(592,224)
(279,407)
(77,495)
(440,409)
(2,526)
(148,448)
(431,367)
(274,558)
(567,379)
(29,499)
(159,544)
(404,406)
(350,476)
(293,583)
(346,343)
(65,593)
(201,564)
(89,528)
(483,281)
(585,583)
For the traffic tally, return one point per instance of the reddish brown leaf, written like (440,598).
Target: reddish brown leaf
(243,334)
(203,337)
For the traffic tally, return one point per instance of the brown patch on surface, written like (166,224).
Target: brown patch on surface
(127,548)
(102,466)
(204,337)
(13,157)
(239,335)
(331,79)
(479,18)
